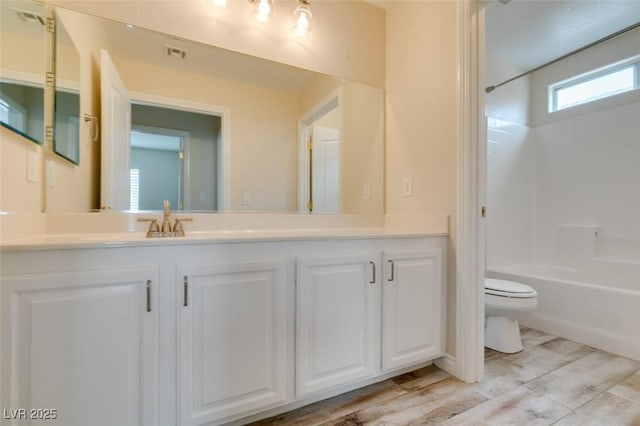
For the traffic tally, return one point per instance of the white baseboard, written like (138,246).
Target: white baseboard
(448,364)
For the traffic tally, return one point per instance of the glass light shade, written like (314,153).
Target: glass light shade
(219,3)
(302,15)
(263,10)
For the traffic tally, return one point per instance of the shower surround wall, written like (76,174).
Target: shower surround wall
(564,203)
(589,175)
(564,199)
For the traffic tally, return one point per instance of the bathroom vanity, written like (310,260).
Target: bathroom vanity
(216,326)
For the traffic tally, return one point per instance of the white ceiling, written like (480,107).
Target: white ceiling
(528,33)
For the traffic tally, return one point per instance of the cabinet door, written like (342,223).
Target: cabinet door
(412,303)
(83,344)
(338,326)
(232,339)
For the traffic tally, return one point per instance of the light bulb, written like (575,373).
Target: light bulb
(302,15)
(263,10)
(219,3)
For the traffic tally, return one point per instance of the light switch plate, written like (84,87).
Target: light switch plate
(51,175)
(32,166)
(407,187)
(366,192)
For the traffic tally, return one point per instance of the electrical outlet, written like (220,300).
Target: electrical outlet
(32,166)
(246,199)
(366,192)
(407,187)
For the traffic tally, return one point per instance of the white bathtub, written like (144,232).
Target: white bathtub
(597,308)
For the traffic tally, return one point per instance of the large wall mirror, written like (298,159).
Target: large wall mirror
(66,140)
(215,130)
(22,68)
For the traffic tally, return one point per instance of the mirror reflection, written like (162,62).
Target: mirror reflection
(173,157)
(66,142)
(216,130)
(22,68)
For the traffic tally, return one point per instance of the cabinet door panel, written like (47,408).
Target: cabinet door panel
(79,342)
(232,339)
(412,307)
(338,328)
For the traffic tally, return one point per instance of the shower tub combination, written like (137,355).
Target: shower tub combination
(598,305)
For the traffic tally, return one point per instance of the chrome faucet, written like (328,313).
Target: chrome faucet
(166,230)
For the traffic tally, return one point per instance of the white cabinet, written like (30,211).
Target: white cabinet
(229,330)
(232,339)
(82,343)
(412,303)
(346,313)
(338,316)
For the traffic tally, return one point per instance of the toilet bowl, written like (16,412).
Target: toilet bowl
(505,304)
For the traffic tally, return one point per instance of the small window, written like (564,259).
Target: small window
(595,85)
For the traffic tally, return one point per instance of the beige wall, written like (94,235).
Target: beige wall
(362,140)
(421,117)
(77,188)
(421,87)
(22,54)
(347,38)
(262,134)
(362,148)
(17,194)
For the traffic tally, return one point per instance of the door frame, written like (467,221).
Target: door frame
(468,363)
(332,100)
(224,147)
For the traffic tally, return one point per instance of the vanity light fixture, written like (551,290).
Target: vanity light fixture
(262,10)
(302,15)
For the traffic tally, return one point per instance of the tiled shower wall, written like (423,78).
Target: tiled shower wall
(588,174)
(554,190)
(511,178)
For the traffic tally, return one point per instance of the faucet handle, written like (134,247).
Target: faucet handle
(154,229)
(178,230)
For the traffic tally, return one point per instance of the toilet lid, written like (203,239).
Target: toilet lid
(507,288)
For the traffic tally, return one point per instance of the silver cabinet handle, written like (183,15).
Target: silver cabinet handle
(373,270)
(392,270)
(186,291)
(148,285)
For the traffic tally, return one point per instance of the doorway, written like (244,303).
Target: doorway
(320,145)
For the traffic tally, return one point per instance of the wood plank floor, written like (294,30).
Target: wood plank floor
(553,381)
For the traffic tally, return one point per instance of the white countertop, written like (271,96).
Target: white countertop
(139,239)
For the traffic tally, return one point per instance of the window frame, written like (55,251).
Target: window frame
(554,88)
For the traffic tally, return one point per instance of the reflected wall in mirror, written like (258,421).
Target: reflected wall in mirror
(173,157)
(66,142)
(22,68)
(259,161)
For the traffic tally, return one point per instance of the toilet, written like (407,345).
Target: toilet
(506,303)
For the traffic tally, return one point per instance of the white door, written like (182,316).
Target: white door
(338,328)
(412,301)
(84,344)
(116,128)
(232,339)
(325,170)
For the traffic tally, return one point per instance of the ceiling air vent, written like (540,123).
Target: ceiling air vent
(30,17)
(175,52)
